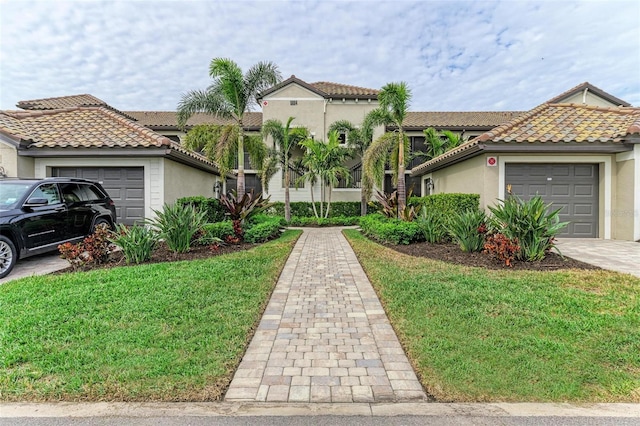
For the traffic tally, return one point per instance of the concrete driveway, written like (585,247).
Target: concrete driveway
(36,265)
(620,256)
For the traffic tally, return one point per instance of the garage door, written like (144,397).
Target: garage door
(571,187)
(125,186)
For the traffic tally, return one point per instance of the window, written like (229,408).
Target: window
(70,192)
(48,191)
(293,103)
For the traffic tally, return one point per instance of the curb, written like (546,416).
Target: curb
(223,409)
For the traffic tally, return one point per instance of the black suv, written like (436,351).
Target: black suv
(36,215)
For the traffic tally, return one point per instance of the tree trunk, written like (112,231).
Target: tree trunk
(313,201)
(363,203)
(402,191)
(240,187)
(328,204)
(287,204)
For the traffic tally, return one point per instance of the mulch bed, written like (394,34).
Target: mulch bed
(449,252)
(163,254)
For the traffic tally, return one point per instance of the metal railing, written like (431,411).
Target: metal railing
(356,178)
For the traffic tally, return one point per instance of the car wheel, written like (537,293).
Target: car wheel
(8,256)
(101,221)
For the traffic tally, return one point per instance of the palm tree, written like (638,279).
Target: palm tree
(358,139)
(229,96)
(438,143)
(284,138)
(394,146)
(324,163)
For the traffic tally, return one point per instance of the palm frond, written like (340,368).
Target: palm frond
(259,78)
(208,101)
(375,158)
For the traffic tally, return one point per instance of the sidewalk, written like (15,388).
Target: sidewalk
(324,336)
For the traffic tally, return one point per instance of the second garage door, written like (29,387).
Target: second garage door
(571,187)
(125,186)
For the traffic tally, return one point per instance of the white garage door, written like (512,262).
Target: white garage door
(125,186)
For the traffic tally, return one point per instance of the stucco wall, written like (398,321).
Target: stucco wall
(184,181)
(13,164)
(591,99)
(467,177)
(623,211)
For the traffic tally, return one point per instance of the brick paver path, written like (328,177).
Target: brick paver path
(324,336)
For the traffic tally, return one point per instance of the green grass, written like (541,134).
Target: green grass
(168,331)
(479,335)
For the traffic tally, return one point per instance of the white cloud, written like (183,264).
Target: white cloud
(142,55)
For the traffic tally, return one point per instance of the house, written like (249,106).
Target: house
(81,136)
(316,106)
(579,151)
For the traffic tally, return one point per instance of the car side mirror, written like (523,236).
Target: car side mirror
(36,202)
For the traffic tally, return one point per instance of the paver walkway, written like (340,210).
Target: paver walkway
(324,336)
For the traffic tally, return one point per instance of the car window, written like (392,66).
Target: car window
(71,192)
(11,192)
(91,193)
(48,191)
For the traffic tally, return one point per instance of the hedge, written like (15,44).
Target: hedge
(215,212)
(390,231)
(331,221)
(305,209)
(211,231)
(447,204)
(262,231)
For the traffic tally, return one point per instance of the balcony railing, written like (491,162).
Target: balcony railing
(294,175)
(356,178)
(247,163)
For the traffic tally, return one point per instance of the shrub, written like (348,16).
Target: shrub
(388,206)
(331,221)
(304,209)
(468,229)
(530,222)
(137,242)
(177,224)
(447,205)
(214,210)
(433,225)
(94,248)
(243,208)
(502,248)
(263,231)
(391,231)
(215,232)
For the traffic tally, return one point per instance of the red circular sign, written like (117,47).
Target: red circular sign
(491,161)
(265,103)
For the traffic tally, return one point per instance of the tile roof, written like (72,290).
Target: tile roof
(61,102)
(65,102)
(344,90)
(590,87)
(85,127)
(552,124)
(457,119)
(326,89)
(169,120)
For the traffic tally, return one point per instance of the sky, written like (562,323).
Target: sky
(454,56)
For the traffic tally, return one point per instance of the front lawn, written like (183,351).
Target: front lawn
(486,335)
(161,332)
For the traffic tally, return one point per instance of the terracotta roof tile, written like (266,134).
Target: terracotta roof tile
(567,123)
(344,90)
(326,89)
(61,102)
(459,119)
(169,120)
(84,127)
(553,124)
